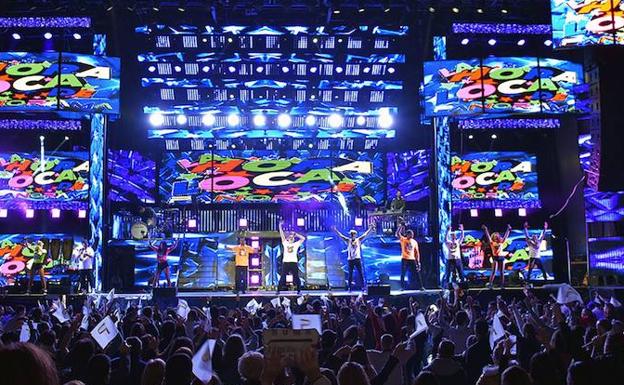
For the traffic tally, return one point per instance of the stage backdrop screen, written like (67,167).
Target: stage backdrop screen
(271,176)
(68,82)
(63,182)
(483,180)
(408,172)
(131,177)
(502,86)
(587,22)
(606,256)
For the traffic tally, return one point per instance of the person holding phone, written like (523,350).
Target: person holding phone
(241,257)
(162,252)
(291,243)
(497,244)
(454,260)
(39,260)
(534,244)
(354,252)
(410,256)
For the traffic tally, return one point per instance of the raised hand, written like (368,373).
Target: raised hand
(508,227)
(526,225)
(461,227)
(545,225)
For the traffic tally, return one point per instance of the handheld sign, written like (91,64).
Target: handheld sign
(288,342)
(183,309)
(202,361)
(307,321)
(104,332)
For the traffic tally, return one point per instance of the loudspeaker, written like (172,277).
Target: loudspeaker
(378,290)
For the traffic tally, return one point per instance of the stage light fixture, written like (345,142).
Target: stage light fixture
(30,213)
(521,42)
(498,212)
(310,120)
(285,69)
(313,70)
(479,10)
(522,212)
(177,69)
(335,120)
(205,68)
(474,213)
(151,68)
(336,12)
(255,261)
(242,222)
(432,9)
(254,278)
(504,11)
(255,244)
(547,42)
(494,136)
(361,9)
(55,213)
(366,70)
(16,36)
(259,120)
(284,120)
(359,221)
(338,70)
(66,138)
(455,10)
(4,213)
(385,120)
(208,120)
(232,69)
(315,40)
(77,36)
(310,146)
(181,119)
(47,35)
(391,70)
(300,222)
(233,120)
(492,42)
(360,120)
(259,69)
(156,119)
(192,223)
(470,136)
(82,213)
(465,41)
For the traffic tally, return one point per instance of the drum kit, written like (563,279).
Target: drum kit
(160,226)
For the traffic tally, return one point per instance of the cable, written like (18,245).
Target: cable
(569,197)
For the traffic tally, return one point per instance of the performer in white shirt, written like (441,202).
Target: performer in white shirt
(534,244)
(454,263)
(290,261)
(83,254)
(354,253)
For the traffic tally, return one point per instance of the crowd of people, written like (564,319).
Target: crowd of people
(457,340)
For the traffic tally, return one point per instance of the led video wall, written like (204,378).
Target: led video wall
(269,81)
(271,176)
(131,177)
(63,182)
(606,255)
(587,22)
(483,180)
(408,172)
(53,81)
(506,85)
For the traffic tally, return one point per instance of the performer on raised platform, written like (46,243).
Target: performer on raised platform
(534,244)
(410,256)
(354,252)
(83,254)
(162,252)
(454,263)
(39,259)
(398,203)
(498,259)
(241,257)
(290,260)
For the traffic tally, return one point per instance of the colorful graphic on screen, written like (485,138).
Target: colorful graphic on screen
(509,85)
(39,81)
(587,22)
(62,183)
(483,180)
(271,176)
(408,172)
(131,177)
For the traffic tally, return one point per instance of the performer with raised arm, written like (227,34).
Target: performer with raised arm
(534,244)
(291,243)
(354,252)
(241,256)
(410,256)
(39,260)
(454,261)
(162,252)
(498,259)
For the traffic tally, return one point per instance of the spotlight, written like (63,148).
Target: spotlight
(336,11)
(47,35)
(479,10)
(255,261)
(547,42)
(66,138)
(310,146)
(151,68)
(181,119)
(285,69)
(181,9)
(205,68)
(465,41)
(259,69)
(521,42)
(4,213)
(82,213)
(492,42)
(310,120)
(30,213)
(504,11)
(498,212)
(77,36)
(522,212)
(431,9)
(494,136)
(300,222)
(208,120)
(361,9)
(387,9)
(360,120)
(242,222)
(338,70)
(284,120)
(16,36)
(192,223)
(233,120)
(232,69)
(41,138)
(335,120)
(455,10)
(315,40)
(391,70)
(359,222)
(56,213)
(474,213)
(470,136)
(230,40)
(259,120)
(385,120)
(177,69)
(156,119)
(313,70)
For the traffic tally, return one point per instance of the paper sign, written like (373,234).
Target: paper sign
(183,309)
(24,333)
(300,300)
(498,331)
(613,301)
(285,302)
(202,361)
(307,321)
(275,302)
(567,294)
(59,312)
(104,332)
(207,323)
(253,306)
(289,342)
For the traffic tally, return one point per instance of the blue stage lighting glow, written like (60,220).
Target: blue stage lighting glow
(181,119)
(310,120)
(259,120)
(156,119)
(16,36)
(501,29)
(208,120)
(335,120)
(47,35)
(284,120)
(233,120)
(360,120)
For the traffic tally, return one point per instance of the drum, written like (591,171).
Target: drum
(139,231)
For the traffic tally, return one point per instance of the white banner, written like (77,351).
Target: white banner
(307,321)
(202,361)
(104,332)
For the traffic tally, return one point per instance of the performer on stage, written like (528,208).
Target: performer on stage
(354,252)
(498,259)
(241,253)
(410,256)
(40,257)
(162,252)
(83,255)
(290,244)
(454,261)
(398,203)
(534,244)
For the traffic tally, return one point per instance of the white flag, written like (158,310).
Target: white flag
(183,309)
(498,331)
(202,361)
(285,302)
(24,333)
(613,301)
(110,297)
(253,306)
(59,312)
(567,294)
(275,302)
(307,321)
(300,300)
(104,332)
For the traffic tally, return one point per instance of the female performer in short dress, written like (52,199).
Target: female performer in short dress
(162,252)
(498,261)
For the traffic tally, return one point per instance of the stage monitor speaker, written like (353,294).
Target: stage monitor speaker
(378,290)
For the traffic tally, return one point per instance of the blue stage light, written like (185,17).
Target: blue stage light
(259,120)
(284,120)
(47,35)
(77,36)
(360,120)
(233,120)
(310,120)
(335,120)
(156,119)
(208,120)
(181,119)
(16,36)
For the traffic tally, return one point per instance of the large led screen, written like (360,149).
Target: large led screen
(408,172)
(494,180)
(63,182)
(606,255)
(587,22)
(131,177)
(53,81)
(509,85)
(271,176)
